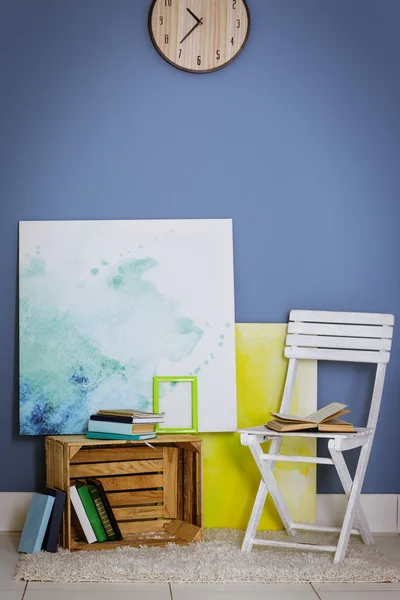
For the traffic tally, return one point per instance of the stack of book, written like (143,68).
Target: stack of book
(126,424)
(92,514)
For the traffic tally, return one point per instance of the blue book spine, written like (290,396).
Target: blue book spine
(53,528)
(36,523)
(110,427)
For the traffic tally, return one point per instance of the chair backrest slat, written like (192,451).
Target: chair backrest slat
(373,331)
(354,318)
(347,343)
(339,355)
(352,337)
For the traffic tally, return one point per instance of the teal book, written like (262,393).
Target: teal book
(36,524)
(94,435)
(121,428)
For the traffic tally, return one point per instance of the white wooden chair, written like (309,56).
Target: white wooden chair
(334,336)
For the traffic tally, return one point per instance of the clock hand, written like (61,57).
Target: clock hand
(193,28)
(193,15)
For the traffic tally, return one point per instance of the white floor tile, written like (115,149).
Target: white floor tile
(97,591)
(8,562)
(356,587)
(360,595)
(245,591)
(11,595)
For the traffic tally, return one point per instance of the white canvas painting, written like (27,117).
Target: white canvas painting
(106,305)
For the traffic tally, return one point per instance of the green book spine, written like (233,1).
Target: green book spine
(98,502)
(92,514)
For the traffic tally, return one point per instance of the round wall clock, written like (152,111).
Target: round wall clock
(199,35)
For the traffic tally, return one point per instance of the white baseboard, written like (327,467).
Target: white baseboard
(13,510)
(382,510)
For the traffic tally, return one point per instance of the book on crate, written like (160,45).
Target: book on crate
(98,435)
(36,523)
(325,420)
(135,416)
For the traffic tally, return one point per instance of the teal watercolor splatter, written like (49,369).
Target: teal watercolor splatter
(197,371)
(220,344)
(206,362)
(77,359)
(222,337)
(35,267)
(94,271)
(104,263)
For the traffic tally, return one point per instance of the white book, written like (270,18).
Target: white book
(82,516)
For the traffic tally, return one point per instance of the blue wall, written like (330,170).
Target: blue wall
(298,141)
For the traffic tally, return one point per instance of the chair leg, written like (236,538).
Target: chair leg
(258,506)
(345,478)
(353,503)
(255,517)
(271,485)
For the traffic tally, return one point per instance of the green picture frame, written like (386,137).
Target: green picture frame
(194,405)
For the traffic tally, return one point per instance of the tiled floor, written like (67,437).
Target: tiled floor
(13,590)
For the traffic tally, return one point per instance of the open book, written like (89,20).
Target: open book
(324,419)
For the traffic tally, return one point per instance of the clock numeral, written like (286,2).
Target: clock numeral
(199,60)
(166,38)
(218,55)
(180,52)
(168,2)
(234,4)
(161,20)
(237,23)
(232,41)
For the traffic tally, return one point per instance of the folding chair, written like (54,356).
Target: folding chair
(334,336)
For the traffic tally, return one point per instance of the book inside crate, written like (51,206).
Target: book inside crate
(148,488)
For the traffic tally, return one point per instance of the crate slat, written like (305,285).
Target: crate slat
(170,483)
(131,482)
(142,526)
(138,512)
(189,497)
(134,497)
(89,455)
(116,468)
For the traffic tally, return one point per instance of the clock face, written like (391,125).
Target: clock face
(199,35)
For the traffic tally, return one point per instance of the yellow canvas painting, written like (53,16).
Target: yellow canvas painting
(231,477)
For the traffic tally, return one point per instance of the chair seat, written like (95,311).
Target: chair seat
(262,431)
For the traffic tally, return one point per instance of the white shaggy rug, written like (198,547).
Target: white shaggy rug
(216,560)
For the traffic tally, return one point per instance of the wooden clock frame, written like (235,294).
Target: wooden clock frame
(174,64)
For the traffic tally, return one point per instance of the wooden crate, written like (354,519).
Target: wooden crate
(146,487)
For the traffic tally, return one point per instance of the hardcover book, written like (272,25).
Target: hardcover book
(53,527)
(91,511)
(121,428)
(325,419)
(82,522)
(36,523)
(142,427)
(94,435)
(104,509)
